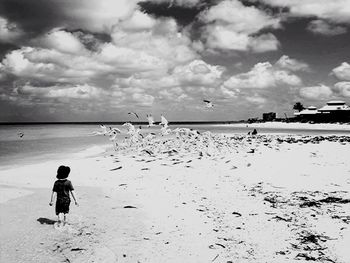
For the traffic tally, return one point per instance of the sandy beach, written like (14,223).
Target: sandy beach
(268,198)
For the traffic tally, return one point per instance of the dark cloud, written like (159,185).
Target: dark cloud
(5,48)
(182,14)
(33,16)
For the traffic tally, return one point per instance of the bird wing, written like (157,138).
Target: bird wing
(206,101)
(137,116)
(150,119)
(163,120)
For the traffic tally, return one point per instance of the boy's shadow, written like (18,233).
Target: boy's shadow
(46,221)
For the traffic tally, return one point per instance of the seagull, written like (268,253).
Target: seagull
(113,133)
(164,130)
(171,3)
(134,113)
(130,128)
(208,104)
(103,130)
(163,121)
(150,120)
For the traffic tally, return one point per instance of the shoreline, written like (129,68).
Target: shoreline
(292,125)
(192,207)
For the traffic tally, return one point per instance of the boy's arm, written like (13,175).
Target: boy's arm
(74,197)
(52,197)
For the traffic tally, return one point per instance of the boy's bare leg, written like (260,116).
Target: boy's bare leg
(64,219)
(60,221)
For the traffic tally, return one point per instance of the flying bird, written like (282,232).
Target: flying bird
(163,121)
(208,104)
(133,113)
(171,3)
(103,130)
(150,120)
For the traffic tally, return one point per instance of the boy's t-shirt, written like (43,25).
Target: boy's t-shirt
(62,188)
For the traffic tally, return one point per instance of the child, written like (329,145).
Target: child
(62,188)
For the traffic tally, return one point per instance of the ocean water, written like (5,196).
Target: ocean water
(50,141)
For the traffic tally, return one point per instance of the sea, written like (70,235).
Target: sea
(41,142)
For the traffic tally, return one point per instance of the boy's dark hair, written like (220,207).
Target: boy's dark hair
(63,172)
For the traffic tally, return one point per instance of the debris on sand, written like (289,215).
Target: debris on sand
(118,168)
(237,214)
(129,206)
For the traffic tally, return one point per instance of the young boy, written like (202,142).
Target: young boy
(62,188)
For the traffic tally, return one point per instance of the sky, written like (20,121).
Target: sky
(73,60)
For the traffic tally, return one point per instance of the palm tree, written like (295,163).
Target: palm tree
(298,106)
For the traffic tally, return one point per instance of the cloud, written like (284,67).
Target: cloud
(198,73)
(60,56)
(184,3)
(231,25)
(242,19)
(9,32)
(88,15)
(316,92)
(164,41)
(49,65)
(61,41)
(256,99)
(337,11)
(138,21)
(76,92)
(342,72)
(321,27)
(291,64)
(343,88)
(262,75)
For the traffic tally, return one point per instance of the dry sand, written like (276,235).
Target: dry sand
(284,202)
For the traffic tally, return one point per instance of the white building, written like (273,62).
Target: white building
(334,105)
(334,111)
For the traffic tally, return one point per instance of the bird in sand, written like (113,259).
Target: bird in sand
(208,104)
(150,120)
(133,113)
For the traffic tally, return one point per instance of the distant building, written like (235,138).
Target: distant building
(334,111)
(269,116)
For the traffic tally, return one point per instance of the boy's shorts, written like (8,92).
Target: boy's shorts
(62,205)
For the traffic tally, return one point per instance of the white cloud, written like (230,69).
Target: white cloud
(337,11)
(62,41)
(342,72)
(256,99)
(233,26)
(316,92)
(242,19)
(343,88)
(322,27)
(60,56)
(263,43)
(97,16)
(50,65)
(292,64)
(262,75)
(198,73)
(9,32)
(163,41)
(77,92)
(138,21)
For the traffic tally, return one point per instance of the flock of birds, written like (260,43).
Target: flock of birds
(156,141)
